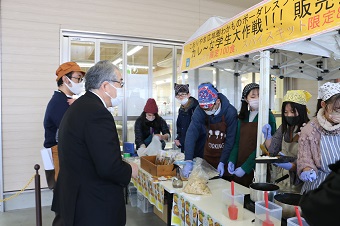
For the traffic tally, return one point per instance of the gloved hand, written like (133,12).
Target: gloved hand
(187,168)
(267,131)
(231,168)
(308,175)
(286,166)
(220,168)
(239,172)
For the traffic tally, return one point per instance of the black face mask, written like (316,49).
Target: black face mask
(292,120)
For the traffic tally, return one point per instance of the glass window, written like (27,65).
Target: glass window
(83,53)
(137,78)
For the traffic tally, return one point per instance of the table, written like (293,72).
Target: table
(212,204)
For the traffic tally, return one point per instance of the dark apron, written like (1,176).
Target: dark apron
(247,144)
(216,136)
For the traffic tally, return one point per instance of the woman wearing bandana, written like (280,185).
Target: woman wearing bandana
(148,124)
(320,139)
(285,139)
(242,158)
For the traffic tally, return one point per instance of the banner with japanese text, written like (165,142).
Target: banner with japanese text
(266,25)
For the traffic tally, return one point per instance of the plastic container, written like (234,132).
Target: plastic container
(293,221)
(262,214)
(132,195)
(143,203)
(232,205)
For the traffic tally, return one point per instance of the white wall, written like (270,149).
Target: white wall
(31,54)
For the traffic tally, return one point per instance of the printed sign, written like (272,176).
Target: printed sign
(266,25)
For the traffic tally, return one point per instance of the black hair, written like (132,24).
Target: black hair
(244,110)
(318,106)
(60,81)
(303,116)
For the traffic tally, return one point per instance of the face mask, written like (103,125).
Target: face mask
(254,104)
(76,88)
(116,101)
(211,112)
(184,101)
(335,117)
(150,118)
(292,120)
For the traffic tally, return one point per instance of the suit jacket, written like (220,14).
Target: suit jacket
(89,190)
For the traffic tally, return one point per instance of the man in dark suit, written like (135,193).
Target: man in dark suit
(89,190)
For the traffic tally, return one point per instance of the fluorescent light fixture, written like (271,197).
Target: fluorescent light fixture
(117,61)
(134,50)
(84,64)
(139,66)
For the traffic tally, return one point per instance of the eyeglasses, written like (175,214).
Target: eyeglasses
(181,95)
(120,82)
(80,79)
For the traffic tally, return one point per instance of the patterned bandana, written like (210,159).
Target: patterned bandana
(249,88)
(297,96)
(181,88)
(328,90)
(207,95)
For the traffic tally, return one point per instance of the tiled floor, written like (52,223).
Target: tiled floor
(26,217)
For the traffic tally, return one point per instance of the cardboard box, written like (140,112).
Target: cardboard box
(148,164)
(164,215)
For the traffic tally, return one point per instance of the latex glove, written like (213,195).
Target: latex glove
(187,168)
(220,168)
(239,172)
(231,168)
(286,166)
(267,131)
(308,175)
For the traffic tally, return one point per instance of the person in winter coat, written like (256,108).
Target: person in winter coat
(285,139)
(320,139)
(321,206)
(242,158)
(211,133)
(148,124)
(188,105)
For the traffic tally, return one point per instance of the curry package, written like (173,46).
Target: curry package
(198,179)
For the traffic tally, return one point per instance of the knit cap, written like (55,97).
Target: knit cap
(181,88)
(207,95)
(151,106)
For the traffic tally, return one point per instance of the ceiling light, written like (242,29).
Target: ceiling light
(139,66)
(134,50)
(85,64)
(117,61)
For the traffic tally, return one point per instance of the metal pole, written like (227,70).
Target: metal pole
(261,172)
(37,196)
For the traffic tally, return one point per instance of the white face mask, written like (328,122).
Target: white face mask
(183,101)
(150,118)
(119,98)
(335,117)
(76,88)
(254,104)
(211,112)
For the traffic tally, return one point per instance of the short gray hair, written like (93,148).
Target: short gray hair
(102,71)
